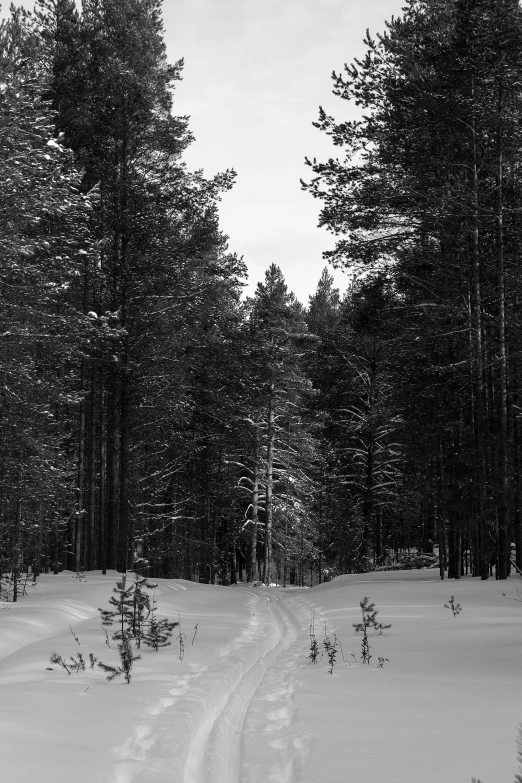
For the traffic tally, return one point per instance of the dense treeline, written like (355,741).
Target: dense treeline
(427,201)
(151,418)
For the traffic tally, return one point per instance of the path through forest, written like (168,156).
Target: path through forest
(207,727)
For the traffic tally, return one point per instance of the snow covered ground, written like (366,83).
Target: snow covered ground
(246,706)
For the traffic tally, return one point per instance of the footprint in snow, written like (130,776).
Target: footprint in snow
(179,690)
(161,706)
(136,747)
(198,667)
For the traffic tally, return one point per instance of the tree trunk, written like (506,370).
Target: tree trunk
(124,543)
(78,528)
(503,505)
(252,565)
(478,367)
(102,533)
(113,468)
(91,559)
(267,563)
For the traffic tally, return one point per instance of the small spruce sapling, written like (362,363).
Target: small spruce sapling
(55,658)
(455,608)
(123,612)
(127,659)
(158,632)
(314,646)
(76,663)
(369,620)
(331,650)
(365,649)
(382,661)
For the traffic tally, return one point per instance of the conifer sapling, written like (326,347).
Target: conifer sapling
(127,659)
(455,608)
(314,646)
(123,612)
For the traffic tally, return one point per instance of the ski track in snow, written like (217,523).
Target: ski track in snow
(234,720)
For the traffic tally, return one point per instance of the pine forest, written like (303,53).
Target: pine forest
(154,418)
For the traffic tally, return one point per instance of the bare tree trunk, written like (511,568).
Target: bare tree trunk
(17,529)
(91,559)
(78,527)
(124,543)
(479,368)
(113,469)
(255,503)
(103,476)
(267,564)
(503,505)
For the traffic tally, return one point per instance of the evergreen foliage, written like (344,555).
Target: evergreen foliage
(123,614)
(127,659)
(424,195)
(369,620)
(269,441)
(158,633)
(455,608)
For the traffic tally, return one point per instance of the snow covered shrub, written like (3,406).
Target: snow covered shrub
(455,608)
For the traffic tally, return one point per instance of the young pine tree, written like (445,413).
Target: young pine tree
(123,613)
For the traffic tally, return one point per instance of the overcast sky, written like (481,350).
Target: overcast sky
(255,74)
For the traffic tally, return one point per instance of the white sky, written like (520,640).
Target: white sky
(255,74)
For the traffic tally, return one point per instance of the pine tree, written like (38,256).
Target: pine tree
(124,612)
(279,336)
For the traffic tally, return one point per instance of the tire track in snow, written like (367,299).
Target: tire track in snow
(223,751)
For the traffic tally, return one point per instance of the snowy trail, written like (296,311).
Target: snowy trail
(206,730)
(224,746)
